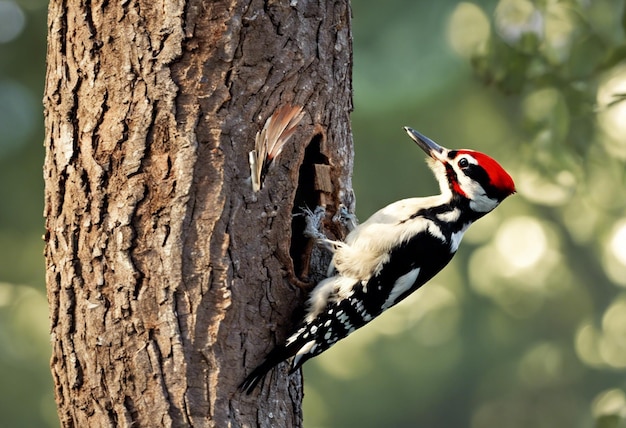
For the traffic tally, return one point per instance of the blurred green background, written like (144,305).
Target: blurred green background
(527,326)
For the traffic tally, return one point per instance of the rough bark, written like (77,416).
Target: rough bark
(168,278)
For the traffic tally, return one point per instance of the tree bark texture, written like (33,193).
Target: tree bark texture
(168,277)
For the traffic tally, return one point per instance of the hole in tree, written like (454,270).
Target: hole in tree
(306,196)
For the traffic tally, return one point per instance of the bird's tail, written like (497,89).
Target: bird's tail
(275,357)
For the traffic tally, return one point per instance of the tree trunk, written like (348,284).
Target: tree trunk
(168,277)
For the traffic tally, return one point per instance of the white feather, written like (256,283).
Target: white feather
(450,216)
(306,348)
(401,285)
(340,287)
(455,239)
(367,247)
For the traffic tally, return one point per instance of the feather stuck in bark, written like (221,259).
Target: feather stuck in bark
(269,142)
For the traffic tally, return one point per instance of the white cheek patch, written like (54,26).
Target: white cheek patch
(479,201)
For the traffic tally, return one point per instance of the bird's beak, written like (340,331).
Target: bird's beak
(431,148)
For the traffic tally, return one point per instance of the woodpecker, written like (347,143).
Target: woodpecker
(393,253)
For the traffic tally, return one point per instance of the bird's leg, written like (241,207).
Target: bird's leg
(314,226)
(346,218)
(314,222)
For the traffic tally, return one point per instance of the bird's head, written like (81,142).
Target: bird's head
(466,173)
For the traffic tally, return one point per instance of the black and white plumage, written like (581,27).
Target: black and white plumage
(393,253)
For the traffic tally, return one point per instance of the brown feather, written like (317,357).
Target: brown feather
(269,142)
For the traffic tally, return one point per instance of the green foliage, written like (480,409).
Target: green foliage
(554,50)
(610,421)
(610,409)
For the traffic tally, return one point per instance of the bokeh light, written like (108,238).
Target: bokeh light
(542,365)
(26,319)
(618,241)
(546,107)
(612,110)
(559,29)
(555,189)
(587,342)
(12,21)
(516,18)
(609,402)
(25,350)
(522,242)
(468,28)
(613,341)
(581,218)
(605,346)
(516,268)
(614,254)
(18,115)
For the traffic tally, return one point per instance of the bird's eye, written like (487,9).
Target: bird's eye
(463,163)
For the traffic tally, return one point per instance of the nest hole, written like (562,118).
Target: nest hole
(307,196)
